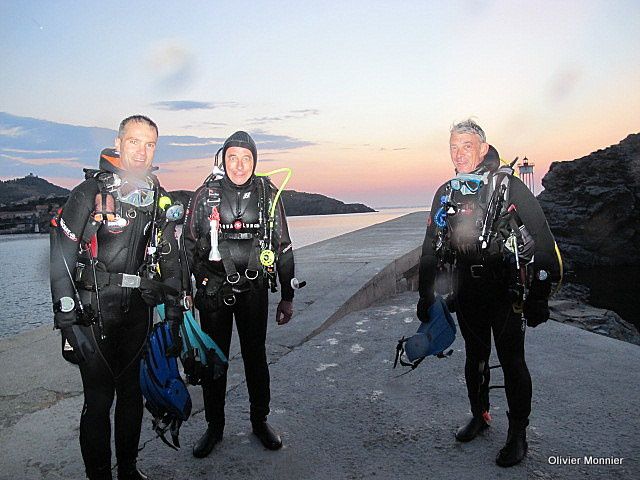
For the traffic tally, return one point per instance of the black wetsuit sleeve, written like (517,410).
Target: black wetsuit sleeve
(532,216)
(285,264)
(192,227)
(65,240)
(428,260)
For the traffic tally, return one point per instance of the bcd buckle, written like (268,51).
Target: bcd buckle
(476,271)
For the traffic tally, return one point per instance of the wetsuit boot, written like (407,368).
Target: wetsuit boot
(100,473)
(130,472)
(516,447)
(471,430)
(211,437)
(267,435)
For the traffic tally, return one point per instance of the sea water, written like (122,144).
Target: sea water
(25,296)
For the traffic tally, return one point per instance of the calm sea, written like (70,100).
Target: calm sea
(25,298)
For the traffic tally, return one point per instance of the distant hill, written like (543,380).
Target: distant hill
(31,187)
(301,203)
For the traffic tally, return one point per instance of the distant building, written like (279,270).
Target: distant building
(526,174)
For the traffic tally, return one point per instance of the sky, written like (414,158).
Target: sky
(356,97)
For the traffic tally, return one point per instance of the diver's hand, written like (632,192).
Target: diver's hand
(284,312)
(173,314)
(151,297)
(76,346)
(536,311)
(422,310)
(450,301)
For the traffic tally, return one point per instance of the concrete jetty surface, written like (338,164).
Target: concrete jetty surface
(342,410)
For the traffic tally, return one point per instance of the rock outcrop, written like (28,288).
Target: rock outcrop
(592,205)
(570,305)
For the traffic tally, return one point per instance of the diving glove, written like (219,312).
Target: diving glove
(536,311)
(174,317)
(422,310)
(284,312)
(76,346)
(151,297)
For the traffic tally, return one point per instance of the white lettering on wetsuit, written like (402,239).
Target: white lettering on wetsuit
(70,235)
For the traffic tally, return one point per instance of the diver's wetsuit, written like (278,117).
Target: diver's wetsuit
(482,284)
(245,207)
(108,352)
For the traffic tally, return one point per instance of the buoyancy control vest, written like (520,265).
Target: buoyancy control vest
(117,247)
(475,222)
(480,234)
(234,238)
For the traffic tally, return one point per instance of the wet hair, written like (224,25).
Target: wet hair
(469,126)
(138,119)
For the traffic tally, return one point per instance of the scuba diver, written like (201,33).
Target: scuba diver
(488,234)
(113,254)
(237,239)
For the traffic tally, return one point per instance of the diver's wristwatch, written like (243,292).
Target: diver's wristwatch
(64,305)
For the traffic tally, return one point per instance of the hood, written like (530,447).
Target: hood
(110,160)
(490,163)
(243,140)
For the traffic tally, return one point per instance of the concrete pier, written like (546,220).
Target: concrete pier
(342,410)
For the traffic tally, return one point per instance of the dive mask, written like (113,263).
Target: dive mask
(136,192)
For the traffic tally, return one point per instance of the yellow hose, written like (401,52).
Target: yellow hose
(272,210)
(561,269)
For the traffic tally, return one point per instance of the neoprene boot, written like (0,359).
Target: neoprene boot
(100,473)
(516,447)
(103,473)
(130,472)
(267,435)
(471,429)
(211,437)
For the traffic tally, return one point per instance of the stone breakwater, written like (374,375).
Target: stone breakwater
(342,410)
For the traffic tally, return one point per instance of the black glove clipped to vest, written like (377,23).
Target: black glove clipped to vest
(536,311)
(173,314)
(536,305)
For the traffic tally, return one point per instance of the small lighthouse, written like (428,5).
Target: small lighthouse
(526,174)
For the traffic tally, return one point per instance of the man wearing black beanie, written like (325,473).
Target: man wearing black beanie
(235,247)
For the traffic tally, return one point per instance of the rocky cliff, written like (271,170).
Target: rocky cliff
(593,206)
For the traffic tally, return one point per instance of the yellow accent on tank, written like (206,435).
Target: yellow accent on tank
(164,202)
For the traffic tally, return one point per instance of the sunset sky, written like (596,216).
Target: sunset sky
(357,97)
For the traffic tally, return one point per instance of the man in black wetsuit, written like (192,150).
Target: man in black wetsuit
(236,240)
(487,227)
(106,271)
